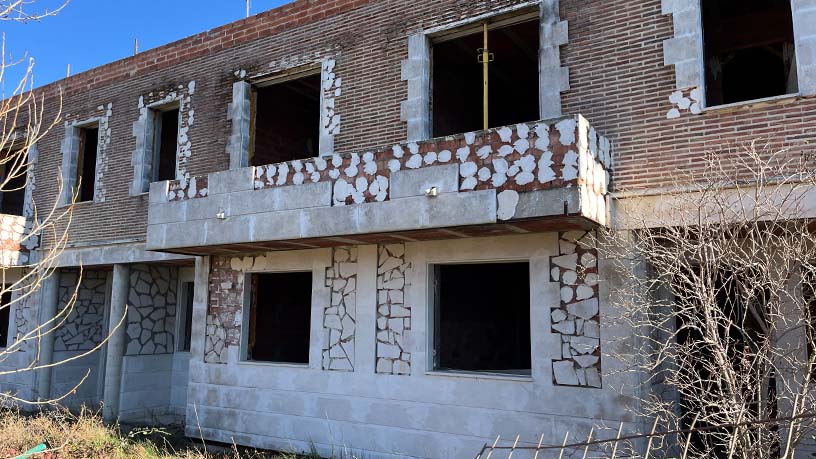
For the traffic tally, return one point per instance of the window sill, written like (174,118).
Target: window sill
(749,103)
(251,363)
(477,375)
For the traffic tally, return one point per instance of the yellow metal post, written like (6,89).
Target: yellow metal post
(485,64)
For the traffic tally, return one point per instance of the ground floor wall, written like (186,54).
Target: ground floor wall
(153,370)
(370,383)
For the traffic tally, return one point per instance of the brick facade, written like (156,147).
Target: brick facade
(614,55)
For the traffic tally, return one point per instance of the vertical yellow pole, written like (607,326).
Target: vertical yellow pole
(485,63)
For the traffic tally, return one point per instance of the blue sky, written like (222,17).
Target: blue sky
(89,33)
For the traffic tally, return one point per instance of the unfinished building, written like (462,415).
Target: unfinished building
(366,224)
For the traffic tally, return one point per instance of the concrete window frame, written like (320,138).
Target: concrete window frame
(154,111)
(246,304)
(431,302)
(416,110)
(241,112)
(686,52)
(145,173)
(70,157)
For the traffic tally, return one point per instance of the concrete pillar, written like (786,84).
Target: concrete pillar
(201,298)
(48,309)
(115,351)
(416,70)
(552,78)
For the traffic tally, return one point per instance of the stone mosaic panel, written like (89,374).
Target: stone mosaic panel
(513,159)
(684,101)
(24,303)
(339,317)
(13,240)
(393,315)
(224,313)
(84,327)
(330,119)
(577,318)
(152,310)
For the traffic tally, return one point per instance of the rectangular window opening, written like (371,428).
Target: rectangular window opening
(458,79)
(285,121)
(186,332)
(740,320)
(86,163)
(5,314)
(15,178)
(280,313)
(749,50)
(480,323)
(165,144)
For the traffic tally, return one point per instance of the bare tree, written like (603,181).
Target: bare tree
(716,277)
(22,126)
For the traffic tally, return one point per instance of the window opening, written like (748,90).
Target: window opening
(15,178)
(280,317)
(484,328)
(742,323)
(5,314)
(485,79)
(285,121)
(165,144)
(86,163)
(749,50)
(188,291)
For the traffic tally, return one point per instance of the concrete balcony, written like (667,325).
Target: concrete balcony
(532,177)
(15,247)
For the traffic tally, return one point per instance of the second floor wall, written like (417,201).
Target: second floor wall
(610,61)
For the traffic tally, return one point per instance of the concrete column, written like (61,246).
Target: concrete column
(238,113)
(197,374)
(416,70)
(115,351)
(48,309)
(552,78)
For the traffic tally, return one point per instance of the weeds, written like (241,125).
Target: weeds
(85,436)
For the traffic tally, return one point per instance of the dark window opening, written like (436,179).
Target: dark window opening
(15,178)
(742,324)
(809,293)
(5,314)
(165,147)
(457,80)
(86,167)
(484,328)
(280,317)
(749,50)
(188,290)
(286,121)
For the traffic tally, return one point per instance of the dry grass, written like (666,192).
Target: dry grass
(85,436)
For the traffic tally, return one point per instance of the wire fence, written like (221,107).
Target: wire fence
(656,444)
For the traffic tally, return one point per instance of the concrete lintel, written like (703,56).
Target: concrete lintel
(114,254)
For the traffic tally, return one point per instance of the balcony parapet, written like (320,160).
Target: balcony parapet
(552,168)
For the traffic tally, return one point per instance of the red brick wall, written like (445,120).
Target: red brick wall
(367,39)
(615,57)
(618,81)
